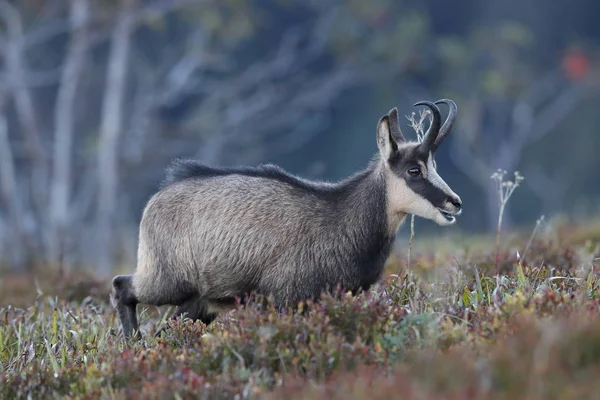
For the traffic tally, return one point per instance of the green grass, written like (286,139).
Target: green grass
(445,328)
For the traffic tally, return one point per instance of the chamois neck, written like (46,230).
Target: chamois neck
(362,201)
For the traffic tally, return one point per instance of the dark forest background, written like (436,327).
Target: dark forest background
(97,96)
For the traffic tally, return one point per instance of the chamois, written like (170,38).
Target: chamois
(211,235)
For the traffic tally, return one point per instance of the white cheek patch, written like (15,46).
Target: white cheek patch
(403,200)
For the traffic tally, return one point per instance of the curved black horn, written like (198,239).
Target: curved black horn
(447,127)
(429,138)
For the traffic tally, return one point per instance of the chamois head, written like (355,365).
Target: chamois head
(413,184)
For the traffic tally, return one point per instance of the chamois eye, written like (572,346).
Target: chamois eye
(416,171)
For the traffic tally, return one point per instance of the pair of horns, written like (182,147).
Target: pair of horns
(436,133)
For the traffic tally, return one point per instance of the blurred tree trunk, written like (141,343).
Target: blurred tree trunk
(9,194)
(14,59)
(64,126)
(110,130)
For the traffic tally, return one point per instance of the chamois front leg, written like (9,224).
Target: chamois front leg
(124,300)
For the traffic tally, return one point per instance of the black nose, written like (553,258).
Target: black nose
(455,202)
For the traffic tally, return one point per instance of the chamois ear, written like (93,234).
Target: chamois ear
(395,130)
(389,134)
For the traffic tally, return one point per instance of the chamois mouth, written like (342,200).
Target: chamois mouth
(448,215)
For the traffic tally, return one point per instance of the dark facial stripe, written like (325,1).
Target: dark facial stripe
(428,190)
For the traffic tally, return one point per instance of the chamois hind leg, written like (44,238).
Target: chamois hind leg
(194,308)
(124,300)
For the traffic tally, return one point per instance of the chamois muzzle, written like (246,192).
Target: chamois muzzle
(453,208)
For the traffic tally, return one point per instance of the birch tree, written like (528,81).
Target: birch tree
(64,120)
(111,126)
(9,194)
(17,85)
